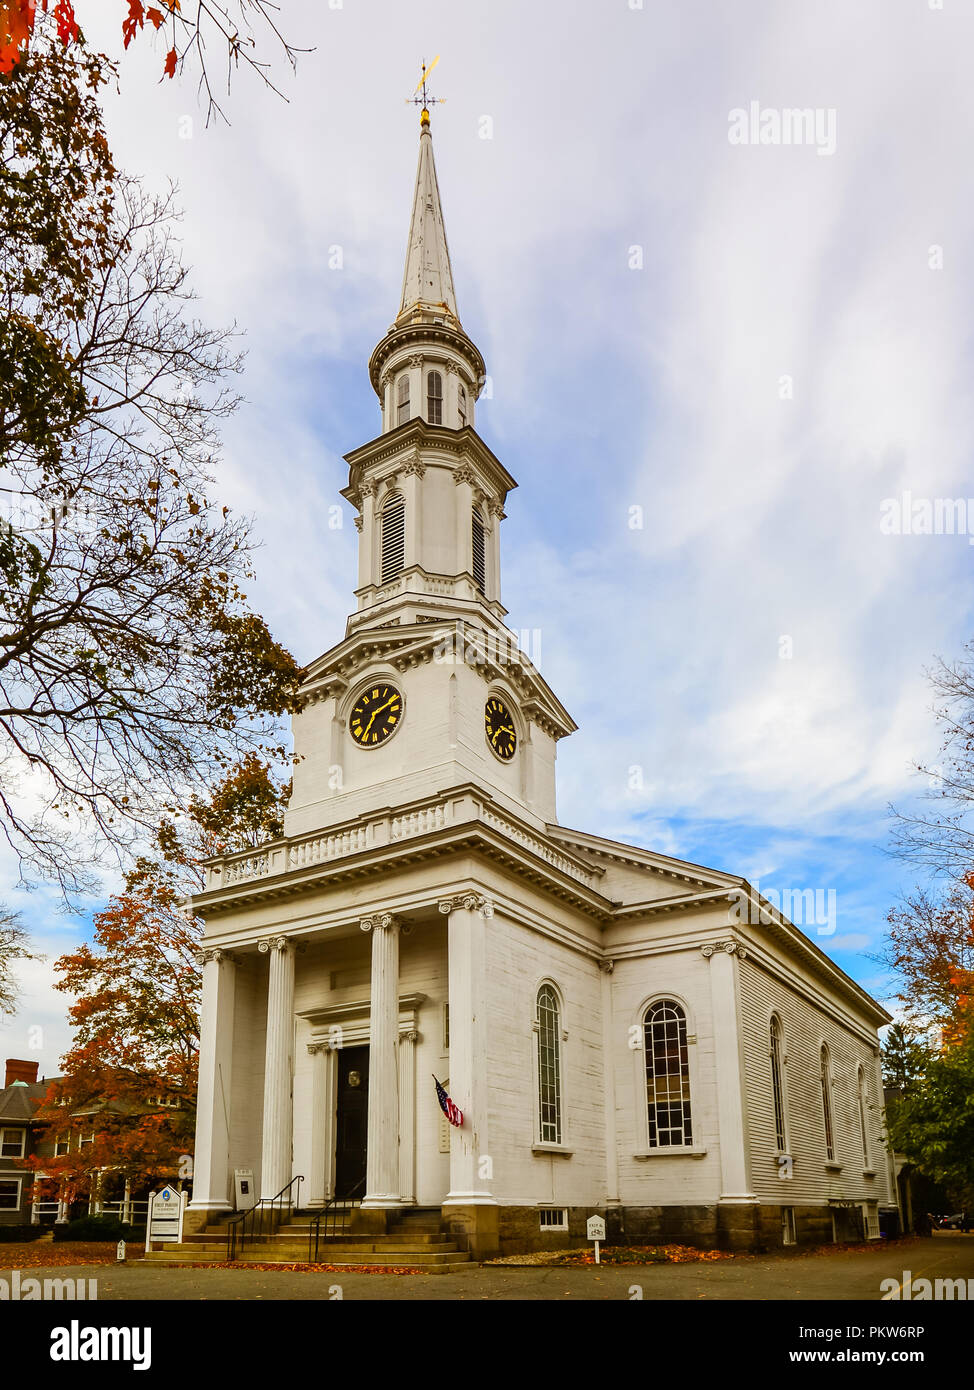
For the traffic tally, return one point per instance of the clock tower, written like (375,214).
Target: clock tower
(429,690)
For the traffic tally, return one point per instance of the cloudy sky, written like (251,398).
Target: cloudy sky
(711,362)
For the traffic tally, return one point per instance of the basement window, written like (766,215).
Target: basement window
(553,1219)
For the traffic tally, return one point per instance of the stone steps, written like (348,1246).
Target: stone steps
(383,1256)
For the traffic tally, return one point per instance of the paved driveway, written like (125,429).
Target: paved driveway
(839,1274)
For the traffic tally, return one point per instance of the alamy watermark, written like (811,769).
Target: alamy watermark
(791,125)
(806,907)
(907,515)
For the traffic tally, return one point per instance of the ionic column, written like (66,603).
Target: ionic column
(35,1203)
(734,1184)
(62,1207)
(127,1201)
(470,1162)
(324,1069)
(407,1115)
(211,1165)
(411,488)
(464,479)
(275,1163)
(382,1163)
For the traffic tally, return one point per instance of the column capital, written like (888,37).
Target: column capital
(410,1036)
(607,966)
(730,948)
(217,953)
(384,921)
(469,902)
(275,944)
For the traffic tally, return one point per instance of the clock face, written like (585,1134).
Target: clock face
(500,728)
(376,715)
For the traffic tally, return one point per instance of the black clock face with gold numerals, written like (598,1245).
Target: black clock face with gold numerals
(500,728)
(376,715)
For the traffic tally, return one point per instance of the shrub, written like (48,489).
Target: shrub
(94,1228)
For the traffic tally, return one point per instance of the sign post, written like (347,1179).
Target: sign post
(243,1188)
(120,1252)
(165,1223)
(595,1230)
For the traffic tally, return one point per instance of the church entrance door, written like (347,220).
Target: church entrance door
(353,1120)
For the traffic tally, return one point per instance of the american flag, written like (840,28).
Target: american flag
(452,1111)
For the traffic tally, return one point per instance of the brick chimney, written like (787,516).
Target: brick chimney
(20,1071)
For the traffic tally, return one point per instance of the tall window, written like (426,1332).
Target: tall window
(393,537)
(861,1100)
(434,398)
(826,1062)
(402,399)
(777,1087)
(479,552)
(667,1075)
(462,404)
(549,1067)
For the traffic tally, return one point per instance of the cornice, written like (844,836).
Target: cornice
(418,433)
(426,334)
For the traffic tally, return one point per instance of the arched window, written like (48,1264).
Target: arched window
(778,1087)
(462,404)
(434,398)
(393,537)
(667,1075)
(402,399)
(861,1101)
(549,1066)
(826,1069)
(479,546)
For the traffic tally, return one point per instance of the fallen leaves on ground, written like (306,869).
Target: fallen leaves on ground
(618,1255)
(44,1254)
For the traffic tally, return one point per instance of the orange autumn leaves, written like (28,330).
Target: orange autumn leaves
(17,18)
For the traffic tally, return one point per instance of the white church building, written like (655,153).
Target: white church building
(625,1033)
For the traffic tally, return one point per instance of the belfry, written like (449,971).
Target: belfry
(625,1033)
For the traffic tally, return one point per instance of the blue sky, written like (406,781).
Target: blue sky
(616,388)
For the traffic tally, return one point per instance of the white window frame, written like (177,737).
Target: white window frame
(784,1146)
(20,1134)
(402,399)
(560,1215)
(664,996)
(60,1139)
(398,501)
(826,1098)
(861,1106)
(540,1138)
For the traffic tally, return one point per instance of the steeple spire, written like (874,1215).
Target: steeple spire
(427,286)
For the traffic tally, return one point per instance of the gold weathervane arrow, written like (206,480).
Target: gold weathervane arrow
(425,100)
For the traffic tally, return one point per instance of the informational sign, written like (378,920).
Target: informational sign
(595,1230)
(166,1215)
(243,1187)
(120,1252)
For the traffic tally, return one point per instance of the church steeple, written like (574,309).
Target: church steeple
(426,366)
(427,284)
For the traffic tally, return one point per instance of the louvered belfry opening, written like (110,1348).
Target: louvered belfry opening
(434,398)
(393,538)
(402,399)
(479,552)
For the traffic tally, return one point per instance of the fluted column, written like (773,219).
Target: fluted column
(606,968)
(366,561)
(407,1115)
(211,1164)
(323,1079)
(470,1159)
(275,1161)
(734,1186)
(382,1162)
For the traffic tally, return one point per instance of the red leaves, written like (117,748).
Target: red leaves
(134,22)
(170,68)
(67,25)
(155,17)
(16,28)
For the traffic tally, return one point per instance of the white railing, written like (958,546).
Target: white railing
(353,839)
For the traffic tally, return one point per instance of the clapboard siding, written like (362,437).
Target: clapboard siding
(517,960)
(805,1026)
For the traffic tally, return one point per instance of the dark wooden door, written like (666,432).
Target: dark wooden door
(353,1120)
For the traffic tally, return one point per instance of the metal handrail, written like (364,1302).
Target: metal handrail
(255,1215)
(336,1207)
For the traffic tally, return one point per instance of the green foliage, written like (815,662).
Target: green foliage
(95,1228)
(932,1123)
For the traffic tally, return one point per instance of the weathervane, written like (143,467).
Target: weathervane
(425,101)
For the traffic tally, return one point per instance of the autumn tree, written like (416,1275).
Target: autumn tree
(131,1072)
(930,950)
(14,946)
(131,667)
(239,31)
